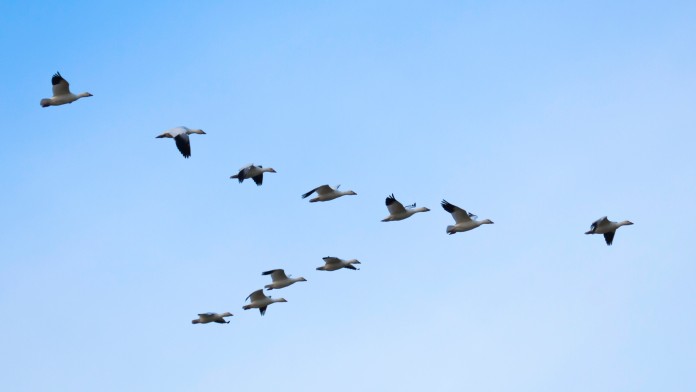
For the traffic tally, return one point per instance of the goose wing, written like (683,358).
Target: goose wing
(172,132)
(256,295)
(258,179)
(599,222)
(208,314)
(394,206)
(321,190)
(60,85)
(276,275)
(332,260)
(609,237)
(183,144)
(458,214)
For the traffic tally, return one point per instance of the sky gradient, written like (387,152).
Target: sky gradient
(540,116)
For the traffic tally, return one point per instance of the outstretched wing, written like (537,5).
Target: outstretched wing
(183,144)
(258,179)
(332,260)
(598,223)
(458,214)
(256,295)
(276,274)
(394,206)
(209,314)
(609,237)
(322,190)
(60,85)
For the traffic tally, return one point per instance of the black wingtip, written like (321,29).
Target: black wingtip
(57,78)
(449,207)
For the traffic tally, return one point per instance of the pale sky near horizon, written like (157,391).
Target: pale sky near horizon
(541,116)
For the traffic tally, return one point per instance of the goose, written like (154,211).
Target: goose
(606,227)
(260,301)
(398,212)
(463,221)
(334,263)
(61,93)
(180,136)
(326,193)
(210,317)
(281,280)
(253,172)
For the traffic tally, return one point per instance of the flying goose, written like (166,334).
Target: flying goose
(180,136)
(606,227)
(281,280)
(326,193)
(61,93)
(260,301)
(334,263)
(463,221)
(398,212)
(253,172)
(210,317)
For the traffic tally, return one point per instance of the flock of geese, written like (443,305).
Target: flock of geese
(463,220)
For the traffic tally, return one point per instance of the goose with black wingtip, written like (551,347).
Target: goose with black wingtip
(398,212)
(463,221)
(61,93)
(280,280)
(260,301)
(606,227)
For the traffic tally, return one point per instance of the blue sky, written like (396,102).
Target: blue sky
(540,116)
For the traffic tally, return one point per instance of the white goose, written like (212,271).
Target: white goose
(180,136)
(607,227)
(210,317)
(281,280)
(398,212)
(463,221)
(326,193)
(260,301)
(253,172)
(61,93)
(334,263)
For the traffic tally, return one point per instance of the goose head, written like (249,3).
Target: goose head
(625,223)
(486,222)
(301,279)
(85,95)
(350,193)
(270,170)
(226,314)
(280,300)
(198,131)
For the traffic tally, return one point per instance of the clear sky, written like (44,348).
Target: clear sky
(540,116)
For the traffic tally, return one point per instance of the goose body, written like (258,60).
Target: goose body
(281,280)
(61,93)
(253,172)
(181,137)
(334,263)
(210,317)
(326,193)
(463,221)
(398,212)
(261,301)
(606,227)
